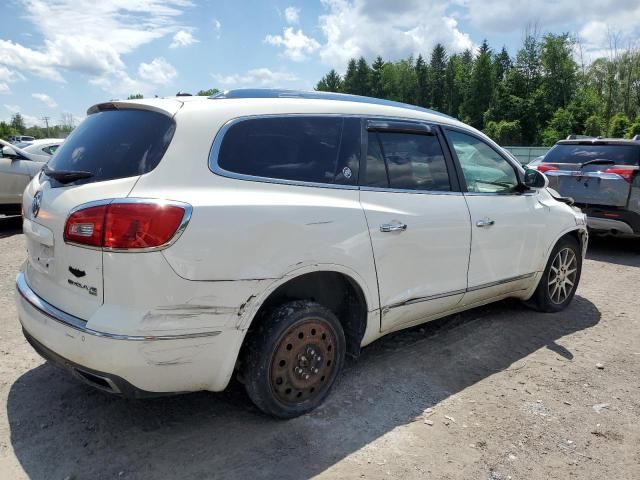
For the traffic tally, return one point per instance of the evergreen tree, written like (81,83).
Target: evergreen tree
(502,64)
(331,82)
(376,81)
(361,81)
(437,77)
(17,123)
(481,87)
(423,93)
(349,82)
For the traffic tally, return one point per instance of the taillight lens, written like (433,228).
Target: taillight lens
(124,225)
(626,173)
(545,168)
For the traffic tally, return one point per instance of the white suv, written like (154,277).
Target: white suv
(173,242)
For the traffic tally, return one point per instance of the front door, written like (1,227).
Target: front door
(507,223)
(418,222)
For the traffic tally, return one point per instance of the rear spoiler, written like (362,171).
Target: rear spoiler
(167,107)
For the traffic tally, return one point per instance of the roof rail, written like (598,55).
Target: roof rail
(315,95)
(636,138)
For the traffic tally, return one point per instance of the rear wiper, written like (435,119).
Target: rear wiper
(597,161)
(66,176)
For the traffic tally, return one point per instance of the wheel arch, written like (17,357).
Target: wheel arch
(338,290)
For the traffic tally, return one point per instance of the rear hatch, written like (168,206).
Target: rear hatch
(102,159)
(593,172)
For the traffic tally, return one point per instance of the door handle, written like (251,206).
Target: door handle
(393,227)
(485,222)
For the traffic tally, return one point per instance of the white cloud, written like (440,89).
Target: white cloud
(90,37)
(217,26)
(258,77)
(393,30)
(159,71)
(297,46)
(183,38)
(292,15)
(46,99)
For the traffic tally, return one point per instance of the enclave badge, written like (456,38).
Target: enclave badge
(35,205)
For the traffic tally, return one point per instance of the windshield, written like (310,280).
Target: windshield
(619,154)
(115,144)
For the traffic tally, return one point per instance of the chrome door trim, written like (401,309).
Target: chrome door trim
(500,282)
(80,325)
(457,292)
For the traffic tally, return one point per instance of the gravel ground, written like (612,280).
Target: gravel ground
(496,393)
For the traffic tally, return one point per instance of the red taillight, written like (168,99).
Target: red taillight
(124,225)
(85,226)
(626,173)
(545,168)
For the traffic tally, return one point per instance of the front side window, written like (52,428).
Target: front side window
(484,169)
(298,148)
(406,161)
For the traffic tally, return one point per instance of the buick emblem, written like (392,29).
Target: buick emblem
(35,205)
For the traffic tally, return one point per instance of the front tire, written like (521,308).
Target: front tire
(560,279)
(293,359)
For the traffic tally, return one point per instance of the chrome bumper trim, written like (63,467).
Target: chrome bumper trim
(78,324)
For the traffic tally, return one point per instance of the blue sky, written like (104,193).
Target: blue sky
(61,56)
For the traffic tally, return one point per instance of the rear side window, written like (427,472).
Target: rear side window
(296,148)
(115,144)
(572,153)
(413,162)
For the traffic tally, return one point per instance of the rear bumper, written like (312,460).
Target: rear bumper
(611,219)
(129,365)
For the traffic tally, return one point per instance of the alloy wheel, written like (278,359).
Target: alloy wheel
(562,275)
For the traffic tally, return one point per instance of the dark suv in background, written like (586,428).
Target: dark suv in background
(602,175)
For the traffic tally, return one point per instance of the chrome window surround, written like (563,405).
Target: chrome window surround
(217,142)
(188,210)
(80,325)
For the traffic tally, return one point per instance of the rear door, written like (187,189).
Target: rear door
(418,221)
(114,147)
(15,174)
(592,173)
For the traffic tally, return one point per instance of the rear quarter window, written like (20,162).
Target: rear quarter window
(115,144)
(296,148)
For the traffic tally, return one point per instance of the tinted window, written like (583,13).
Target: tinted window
(308,149)
(484,169)
(621,154)
(115,144)
(413,162)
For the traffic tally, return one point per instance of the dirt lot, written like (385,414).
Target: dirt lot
(496,393)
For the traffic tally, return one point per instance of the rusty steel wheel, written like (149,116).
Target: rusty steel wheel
(293,357)
(303,361)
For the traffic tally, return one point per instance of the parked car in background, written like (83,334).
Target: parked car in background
(18,164)
(602,175)
(172,242)
(21,139)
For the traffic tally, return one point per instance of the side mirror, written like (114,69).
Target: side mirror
(9,152)
(535,179)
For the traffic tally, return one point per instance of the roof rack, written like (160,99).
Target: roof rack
(573,136)
(636,138)
(344,97)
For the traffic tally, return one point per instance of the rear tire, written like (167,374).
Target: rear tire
(293,359)
(560,279)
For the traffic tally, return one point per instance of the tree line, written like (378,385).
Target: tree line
(17,126)
(541,95)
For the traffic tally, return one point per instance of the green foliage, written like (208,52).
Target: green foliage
(618,126)
(207,93)
(135,96)
(594,126)
(634,128)
(504,132)
(6,130)
(17,123)
(560,126)
(331,82)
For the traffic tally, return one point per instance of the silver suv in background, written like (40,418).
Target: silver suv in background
(602,175)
